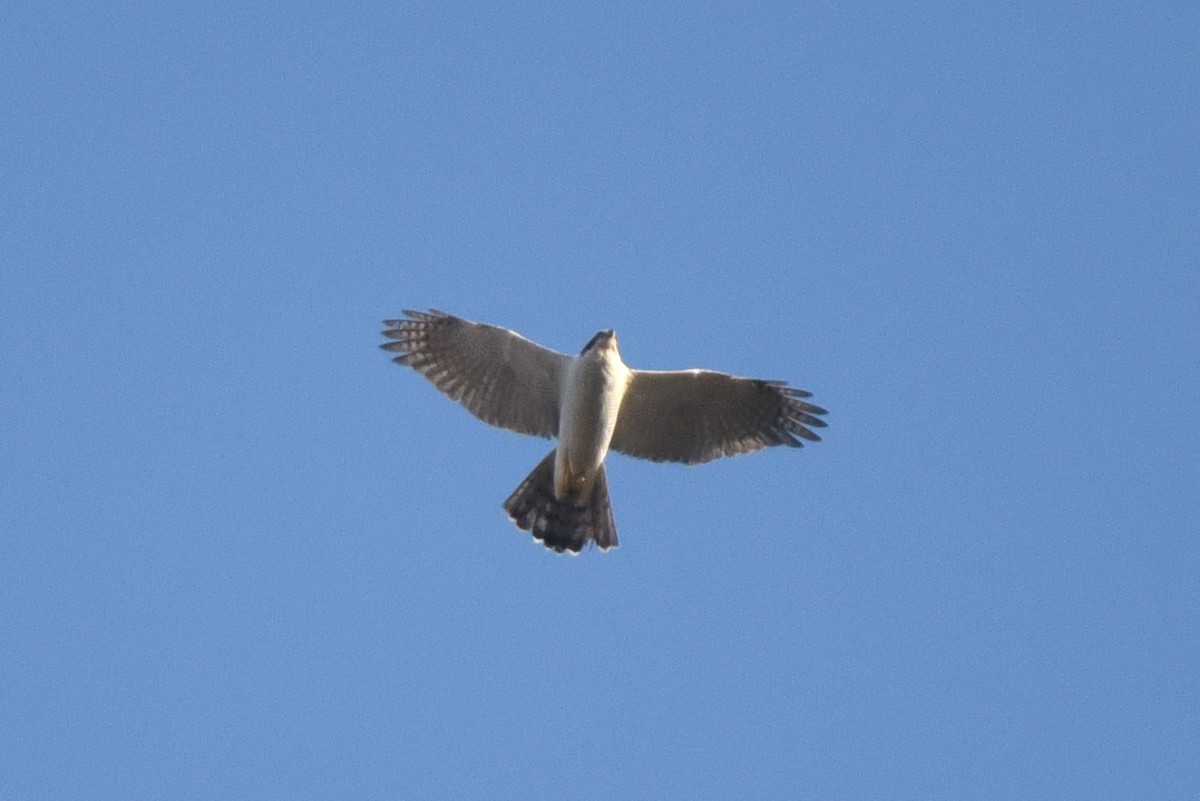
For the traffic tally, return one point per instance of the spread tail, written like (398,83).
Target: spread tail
(565,525)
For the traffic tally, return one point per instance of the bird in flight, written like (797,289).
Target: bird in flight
(592,403)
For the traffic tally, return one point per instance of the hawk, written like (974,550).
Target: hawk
(593,402)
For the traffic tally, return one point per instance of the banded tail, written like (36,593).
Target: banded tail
(565,525)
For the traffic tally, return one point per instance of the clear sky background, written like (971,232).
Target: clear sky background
(244,556)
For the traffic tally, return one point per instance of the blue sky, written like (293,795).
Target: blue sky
(247,557)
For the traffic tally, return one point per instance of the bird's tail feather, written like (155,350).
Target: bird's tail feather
(565,525)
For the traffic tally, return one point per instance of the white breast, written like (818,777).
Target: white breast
(592,389)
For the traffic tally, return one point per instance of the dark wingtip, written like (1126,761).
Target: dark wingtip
(394,346)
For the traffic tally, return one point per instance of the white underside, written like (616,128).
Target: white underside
(593,386)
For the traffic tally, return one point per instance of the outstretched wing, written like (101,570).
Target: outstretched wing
(695,416)
(500,376)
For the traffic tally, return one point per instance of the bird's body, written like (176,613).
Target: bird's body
(593,386)
(592,403)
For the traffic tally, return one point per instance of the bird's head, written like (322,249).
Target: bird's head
(603,339)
